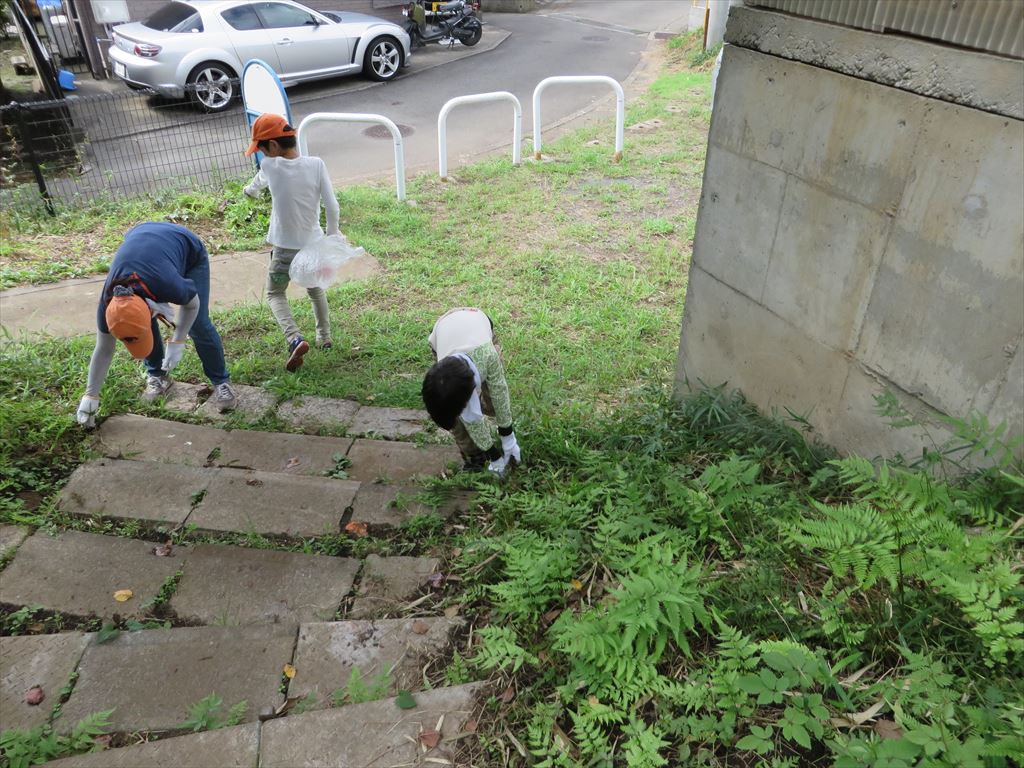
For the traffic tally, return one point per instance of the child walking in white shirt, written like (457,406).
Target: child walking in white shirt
(298,185)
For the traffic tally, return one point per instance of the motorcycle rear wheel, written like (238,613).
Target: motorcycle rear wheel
(474,37)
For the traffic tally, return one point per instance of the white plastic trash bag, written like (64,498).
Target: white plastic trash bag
(318,265)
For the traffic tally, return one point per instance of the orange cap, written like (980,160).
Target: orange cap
(129,319)
(268,126)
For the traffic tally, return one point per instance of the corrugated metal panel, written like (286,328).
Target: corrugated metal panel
(996,26)
(852,13)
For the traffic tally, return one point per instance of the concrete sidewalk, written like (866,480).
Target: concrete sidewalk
(68,308)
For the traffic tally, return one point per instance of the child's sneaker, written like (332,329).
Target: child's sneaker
(297,347)
(224,398)
(156,387)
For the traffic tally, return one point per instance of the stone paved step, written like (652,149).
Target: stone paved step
(30,660)
(134,490)
(141,438)
(246,501)
(386,584)
(151,677)
(11,537)
(233,586)
(391,652)
(310,414)
(273,503)
(236,747)
(77,573)
(373,735)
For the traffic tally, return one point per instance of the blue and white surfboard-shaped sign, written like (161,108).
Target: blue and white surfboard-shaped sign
(262,92)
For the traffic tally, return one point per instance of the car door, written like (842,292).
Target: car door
(307,45)
(248,36)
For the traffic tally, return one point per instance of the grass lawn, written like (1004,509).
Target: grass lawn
(663,583)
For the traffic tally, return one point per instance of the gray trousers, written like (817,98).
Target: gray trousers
(277,284)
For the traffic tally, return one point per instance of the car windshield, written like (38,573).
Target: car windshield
(175,17)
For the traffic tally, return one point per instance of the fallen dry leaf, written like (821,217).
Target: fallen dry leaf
(470,726)
(507,696)
(123,595)
(289,671)
(420,627)
(34,696)
(435,580)
(452,611)
(163,550)
(887,729)
(254,483)
(292,462)
(357,529)
(430,739)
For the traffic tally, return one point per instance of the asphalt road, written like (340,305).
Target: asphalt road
(564,38)
(153,147)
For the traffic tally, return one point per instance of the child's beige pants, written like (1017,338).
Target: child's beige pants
(277,284)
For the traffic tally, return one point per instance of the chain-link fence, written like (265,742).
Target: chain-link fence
(122,145)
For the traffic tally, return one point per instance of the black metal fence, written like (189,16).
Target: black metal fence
(120,145)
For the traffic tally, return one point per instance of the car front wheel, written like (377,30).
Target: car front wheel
(212,86)
(383,59)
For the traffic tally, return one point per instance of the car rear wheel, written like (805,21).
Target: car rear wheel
(212,86)
(383,59)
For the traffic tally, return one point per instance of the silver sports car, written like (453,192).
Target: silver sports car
(203,44)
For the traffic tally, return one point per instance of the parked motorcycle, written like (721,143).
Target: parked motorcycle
(455,21)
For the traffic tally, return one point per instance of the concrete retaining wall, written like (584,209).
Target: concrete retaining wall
(855,237)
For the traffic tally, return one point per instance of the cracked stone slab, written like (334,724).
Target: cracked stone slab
(137,490)
(30,660)
(235,747)
(232,586)
(272,503)
(150,678)
(185,397)
(389,423)
(384,460)
(253,404)
(278,452)
(388,583)
(392,651)
(312,414)
(391,505)
(143,439)
(373,735)
(11,537)
(78,573)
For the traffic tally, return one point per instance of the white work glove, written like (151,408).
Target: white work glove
(252,192)
(510,453)
(172,355)
(87,408)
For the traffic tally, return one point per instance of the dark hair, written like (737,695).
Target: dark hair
(285,142)
(446,390)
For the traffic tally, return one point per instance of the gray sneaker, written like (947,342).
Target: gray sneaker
(224,397)
(156,387)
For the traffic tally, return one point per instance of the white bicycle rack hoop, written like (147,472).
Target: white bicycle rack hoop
(442,126)
(358,117)
(620,107)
